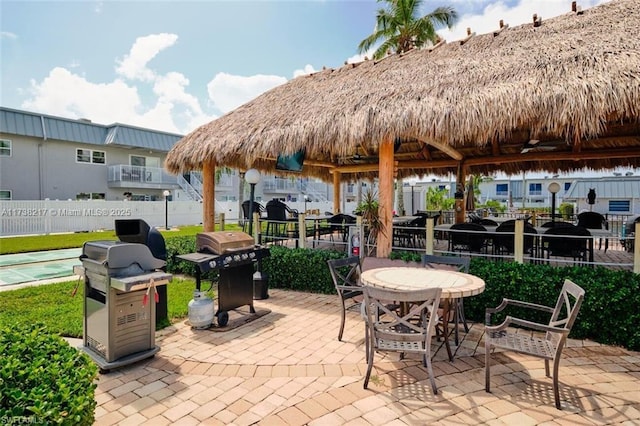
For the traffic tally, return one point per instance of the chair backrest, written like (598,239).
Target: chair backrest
(345,272)
(460,264)
(473,241)
(292,212)
(567,307)
(276,210)
(370,262)
(388,324)
(507,241)
(592,220)
(557,224)
(568,247)
(488,222)
(257,208)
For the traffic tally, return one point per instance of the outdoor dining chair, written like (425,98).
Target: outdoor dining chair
(567,241)
(246,216)
(504,238)
(594,220)
(467,237)
(406,331)
(460,264)
(548,347)
(345,274)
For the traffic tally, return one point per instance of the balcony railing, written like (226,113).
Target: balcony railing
(126,176)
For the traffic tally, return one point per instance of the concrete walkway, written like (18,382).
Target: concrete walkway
(288,368)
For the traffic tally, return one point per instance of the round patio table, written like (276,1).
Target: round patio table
(454,285)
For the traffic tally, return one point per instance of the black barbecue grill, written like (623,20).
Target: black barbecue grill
(122,279)
(233,255)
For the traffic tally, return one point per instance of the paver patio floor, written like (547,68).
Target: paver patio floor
(288,368)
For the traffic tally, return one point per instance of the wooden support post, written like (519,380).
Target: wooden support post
(428,245)
(302,231)
(222,221)
(209,195)
(460,207)
(385,208)
(518,243)
(336,192)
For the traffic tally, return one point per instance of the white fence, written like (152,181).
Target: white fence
(47,217)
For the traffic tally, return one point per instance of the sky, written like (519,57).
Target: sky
(175,65)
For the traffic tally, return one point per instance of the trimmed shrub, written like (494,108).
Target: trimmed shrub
(608,315)
(43,380)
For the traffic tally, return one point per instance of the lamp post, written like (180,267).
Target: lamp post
(554,188)
(413,210)
(166,194)
(252,176)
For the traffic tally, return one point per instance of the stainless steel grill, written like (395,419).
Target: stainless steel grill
(233,254)
(121,280)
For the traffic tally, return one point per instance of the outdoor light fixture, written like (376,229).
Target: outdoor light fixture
(166,194)
(306,199)
(252,176)
(554,188)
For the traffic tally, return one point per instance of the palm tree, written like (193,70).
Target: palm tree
(400,28)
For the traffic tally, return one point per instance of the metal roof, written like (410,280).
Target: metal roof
(624,187)
(25,123)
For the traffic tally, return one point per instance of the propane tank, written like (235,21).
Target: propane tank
(200,310)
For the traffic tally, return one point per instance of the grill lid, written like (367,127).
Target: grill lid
(220,242)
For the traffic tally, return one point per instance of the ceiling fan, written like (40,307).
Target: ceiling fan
(538,145)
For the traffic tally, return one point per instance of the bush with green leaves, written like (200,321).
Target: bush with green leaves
(43,380)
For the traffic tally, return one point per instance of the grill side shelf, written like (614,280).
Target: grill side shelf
(140,282)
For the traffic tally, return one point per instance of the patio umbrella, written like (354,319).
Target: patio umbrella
(470,203)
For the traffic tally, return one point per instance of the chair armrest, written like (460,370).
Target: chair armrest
(528,324)
(350,287)
(506,302)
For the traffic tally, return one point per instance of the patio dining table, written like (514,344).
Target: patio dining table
(454,285)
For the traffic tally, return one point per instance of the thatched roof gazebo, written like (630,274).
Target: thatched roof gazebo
(555,95)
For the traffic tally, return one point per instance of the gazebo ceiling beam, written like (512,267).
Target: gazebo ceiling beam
(554,156)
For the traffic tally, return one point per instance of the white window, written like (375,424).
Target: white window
(5,194)
(5,148)
(90,156)
(90,196)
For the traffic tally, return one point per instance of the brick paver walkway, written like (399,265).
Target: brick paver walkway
(288,368)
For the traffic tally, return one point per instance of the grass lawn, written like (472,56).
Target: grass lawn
(61,311)
(24,244)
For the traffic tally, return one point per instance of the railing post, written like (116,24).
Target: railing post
(221,215)
(302,231)
(428,245)
(518,242)
(636,249)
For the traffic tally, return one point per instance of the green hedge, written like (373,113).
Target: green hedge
(608,315)
(43,380)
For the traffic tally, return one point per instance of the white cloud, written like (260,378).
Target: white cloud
(515,15)
(172,109)
(227,92)
(134,65)
(308,69)
(8,35)
(70,95)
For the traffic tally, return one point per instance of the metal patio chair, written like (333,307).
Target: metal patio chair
(548,347)
(345,274)
(409,331)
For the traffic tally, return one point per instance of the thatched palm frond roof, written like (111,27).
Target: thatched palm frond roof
(572,84)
